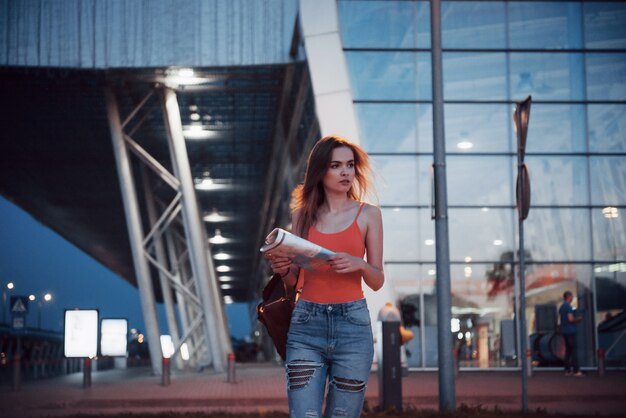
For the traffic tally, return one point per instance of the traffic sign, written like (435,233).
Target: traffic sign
(19,305)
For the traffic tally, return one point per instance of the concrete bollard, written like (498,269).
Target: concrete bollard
(231,368)
(165,371)
(529,362)
(601,362)
(87,373)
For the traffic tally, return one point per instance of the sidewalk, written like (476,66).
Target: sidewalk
(260,387)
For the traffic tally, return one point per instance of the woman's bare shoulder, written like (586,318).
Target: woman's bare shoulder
(371,212)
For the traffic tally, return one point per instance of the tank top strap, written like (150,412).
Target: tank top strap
(359,212)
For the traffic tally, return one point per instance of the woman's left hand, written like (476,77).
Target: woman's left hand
(345,263)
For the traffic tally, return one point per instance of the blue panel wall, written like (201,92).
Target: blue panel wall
(149,33)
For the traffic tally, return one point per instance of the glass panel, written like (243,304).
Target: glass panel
(555,128)
(608,180)
(609,233)
(477,128)
(418,304)
(545,285)
(396,127)
(545,25)
(390,75)
(384,24)
(477,317)
(547,76)
(480,234)
(479,180)
(611,312)
(474,76)
(409,234)
(402,234)
(604,25)
(558,180)
(606,76)
(402,180)
(607,128)
(472,25)
(558,235)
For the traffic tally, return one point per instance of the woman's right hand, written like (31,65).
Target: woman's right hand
(279,265)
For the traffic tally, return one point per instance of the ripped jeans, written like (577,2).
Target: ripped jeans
(328,342)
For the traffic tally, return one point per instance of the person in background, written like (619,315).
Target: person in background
(330,342)
(568,330)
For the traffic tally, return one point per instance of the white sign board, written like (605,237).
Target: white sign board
(113,337)
(167,346)
(81,333)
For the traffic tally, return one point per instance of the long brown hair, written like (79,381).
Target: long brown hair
(309,196)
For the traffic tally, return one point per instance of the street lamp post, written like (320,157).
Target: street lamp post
(47,297)
(5,296)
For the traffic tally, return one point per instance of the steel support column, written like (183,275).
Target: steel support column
(135,233)
(447,399)
(202,265)
(159,250)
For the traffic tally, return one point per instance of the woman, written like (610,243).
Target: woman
(330,334)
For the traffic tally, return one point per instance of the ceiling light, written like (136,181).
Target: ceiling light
(498,242)
(218,238)
(467,271)
(197,131)
(222,256)
(228,300)
(215,216)
(484,209)
(223,269)
(429,242)
(610,212)
(464,145)
(206,183)
(194,116)
(176,77)
(396,209)
(226,286)
(468,259)
(431,272)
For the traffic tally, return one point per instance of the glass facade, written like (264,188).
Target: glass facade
(571,57)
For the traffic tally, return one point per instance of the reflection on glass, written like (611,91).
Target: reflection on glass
(605,76)
(608,180)
(473,232)
(484,126)
(473,24)
(419,313)
(547,76)
(396,127)
(558,234)
(545,25)
(474,76)
(556,128)
(558,180)
(483,317)
(611,312)
(609,234)
(545,285)
(479,180)
(604,25)
(402,180)
(401,238)
(384,24)
(607,127)
(398,75)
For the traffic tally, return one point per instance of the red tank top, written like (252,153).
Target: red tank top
(323,285)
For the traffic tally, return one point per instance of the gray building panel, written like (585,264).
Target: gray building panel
(130,34)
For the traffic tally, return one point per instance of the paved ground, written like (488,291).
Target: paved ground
(261,388)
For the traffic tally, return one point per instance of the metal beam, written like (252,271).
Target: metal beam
(201,264)
(135,233)
(447,401)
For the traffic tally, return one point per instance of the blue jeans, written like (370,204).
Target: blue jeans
(328,342)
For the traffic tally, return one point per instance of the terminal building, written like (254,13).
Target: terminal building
(163,138)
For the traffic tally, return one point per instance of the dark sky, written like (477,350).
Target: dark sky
(37,260)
